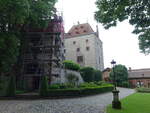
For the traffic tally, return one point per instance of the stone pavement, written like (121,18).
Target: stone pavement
(90,104)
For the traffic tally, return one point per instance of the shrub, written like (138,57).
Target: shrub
(43,89)
(71,65)
(97,75)
(54,86)
(125,84)
(11,87)
(143,90)
(72,79)
(86,84)
(87,74)
(80,91)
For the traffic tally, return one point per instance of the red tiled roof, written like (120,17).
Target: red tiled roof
(79,29)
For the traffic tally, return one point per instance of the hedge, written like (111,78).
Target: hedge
(143,90)
(71,65)
(83,91)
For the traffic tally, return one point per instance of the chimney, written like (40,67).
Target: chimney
(130,69)
(97,31)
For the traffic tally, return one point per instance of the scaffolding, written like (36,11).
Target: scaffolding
(43,52)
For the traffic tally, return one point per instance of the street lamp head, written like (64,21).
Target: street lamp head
(113,62)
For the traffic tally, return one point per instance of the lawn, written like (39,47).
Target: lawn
(135,103)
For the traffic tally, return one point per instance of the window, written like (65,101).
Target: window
(84,31)
(74,42)
(77,32)
(76,28)
(87,40)
(81,27)
(79,59)
(78,49)
(87,48)
(62,44)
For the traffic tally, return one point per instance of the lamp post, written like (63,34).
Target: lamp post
(114,76)
(116,104)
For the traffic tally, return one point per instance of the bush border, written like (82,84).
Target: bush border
(77,92)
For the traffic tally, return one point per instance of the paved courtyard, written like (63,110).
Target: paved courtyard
(90,104)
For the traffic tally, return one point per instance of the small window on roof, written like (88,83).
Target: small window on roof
(81,27)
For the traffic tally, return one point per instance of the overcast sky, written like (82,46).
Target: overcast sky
(118,42)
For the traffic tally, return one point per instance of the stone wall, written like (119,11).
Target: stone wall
(63,78)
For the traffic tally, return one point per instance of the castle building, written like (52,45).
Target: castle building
(84,46)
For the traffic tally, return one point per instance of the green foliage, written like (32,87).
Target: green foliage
(13,13)
(97,75)
(135,103)
(8,51)
(121,74)
(72,79)
(40,12)
(54,86)
(136,11)
(143,90)
(83,91)
(125,84)
(11,87)
(43,89)
(3,84)
(16,15)
(90,84)
(87,74)
(71,65)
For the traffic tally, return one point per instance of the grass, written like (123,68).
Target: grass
(135,103)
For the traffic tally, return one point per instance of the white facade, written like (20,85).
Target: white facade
(86,50)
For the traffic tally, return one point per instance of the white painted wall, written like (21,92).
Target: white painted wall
(91,57)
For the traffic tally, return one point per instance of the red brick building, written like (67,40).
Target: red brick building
(139,77)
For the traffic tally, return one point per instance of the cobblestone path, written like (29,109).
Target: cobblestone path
(90,104)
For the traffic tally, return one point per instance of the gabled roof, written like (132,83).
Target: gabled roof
(139,73)
(79,29)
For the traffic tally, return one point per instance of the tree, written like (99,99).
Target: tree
(97,75)
(87,74)
(121,74)
(16,15)
(136,11)
(11,87)
(72,79)
(43,89)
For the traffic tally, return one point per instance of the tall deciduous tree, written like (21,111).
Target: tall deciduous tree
(121,74)
(16,15)
(136,11)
